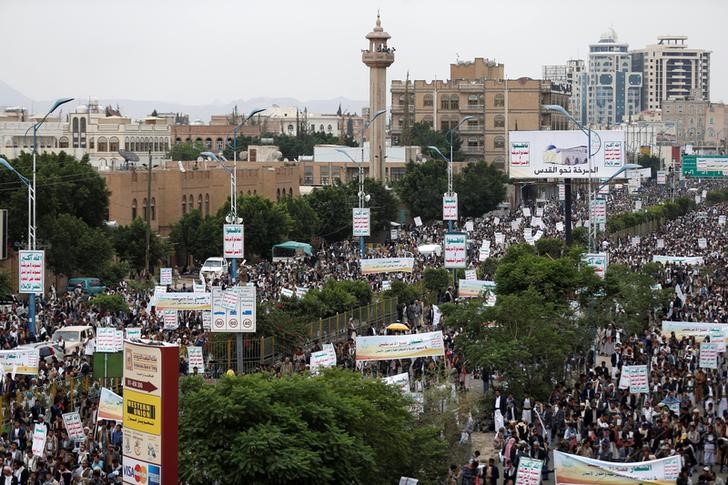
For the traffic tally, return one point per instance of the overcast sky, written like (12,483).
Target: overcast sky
(197,51)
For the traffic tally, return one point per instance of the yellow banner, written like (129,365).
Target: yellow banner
(142,412)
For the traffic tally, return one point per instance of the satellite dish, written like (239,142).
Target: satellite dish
(129,156)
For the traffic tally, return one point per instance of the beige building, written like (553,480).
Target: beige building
(698,123)
(202,185)
(497,105)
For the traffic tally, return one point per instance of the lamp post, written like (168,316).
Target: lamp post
(32,206)
(361,195)
(235,132)
(567,182)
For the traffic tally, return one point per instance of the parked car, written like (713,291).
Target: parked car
(214,268)
(73,337)
(91,286)
(46,350)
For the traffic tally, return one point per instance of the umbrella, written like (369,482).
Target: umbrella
(398,327)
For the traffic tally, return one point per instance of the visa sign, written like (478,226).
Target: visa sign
(141,473)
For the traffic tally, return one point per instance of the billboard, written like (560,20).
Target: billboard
(705,166)
(563,154)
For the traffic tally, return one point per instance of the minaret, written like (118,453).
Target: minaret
(378,57)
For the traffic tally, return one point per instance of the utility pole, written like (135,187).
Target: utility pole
(148,215)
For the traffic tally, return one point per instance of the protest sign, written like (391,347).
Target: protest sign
(716,332)
(400,380)
(386,265)
(386,347)
(322,358)
(573,469)
(40,430)
(165,276)
(529,471)
(74,427)
(111,406)
(170,319)
(634,377)
(195,359)
(709,354)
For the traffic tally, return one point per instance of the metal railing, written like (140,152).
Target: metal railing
(260,352)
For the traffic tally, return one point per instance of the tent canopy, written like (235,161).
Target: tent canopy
(293,246)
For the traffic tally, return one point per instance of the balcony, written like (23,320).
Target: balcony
(468,150)
(468,130)
(473,108)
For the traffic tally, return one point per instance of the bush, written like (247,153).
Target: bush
(110,303)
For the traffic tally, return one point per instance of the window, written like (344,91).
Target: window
(499,100)
(335,174)
(444,101)
(219,144)
(308,175)
(91,143)
(207,204)
(144,209)
(83,132)
(208,143)
(290,129)
(324,174)
(328,128)
(454,101)
(199,203)
(184,204)
(113,144)
(278,194)
(153,208)
(290,192)
(133,209)
(321,128)
(499,142)
(63,142)
(102,144)
(499,121)
(427,100)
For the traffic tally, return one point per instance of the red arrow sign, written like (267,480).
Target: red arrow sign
(145,386)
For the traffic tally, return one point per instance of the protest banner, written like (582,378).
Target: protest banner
(500,238)
(469,226)
(74,426)
(657,258)
(400,380)
(31,271)
(20,361)
(475,288)
(106,339)
(470,275)
(386,347)
(456,250)
(386,265)
(165,276)
(450,207)
(287,293)
(170,319)
(717,332)
(40,430)
(598,261)
(195,359)
(233,241)
(361,222)
(418,221)
(529,471)
(634,377)
(322,358)
(182,301)
(111,406)
(709,354)
(133,333)
(573,469)
(702,243)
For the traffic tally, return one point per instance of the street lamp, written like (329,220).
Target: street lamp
(32,206)
(27,182)
(235,132)
(361,195)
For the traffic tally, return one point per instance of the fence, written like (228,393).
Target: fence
(259,352)
(638,230)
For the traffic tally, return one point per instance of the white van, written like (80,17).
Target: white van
(73,337)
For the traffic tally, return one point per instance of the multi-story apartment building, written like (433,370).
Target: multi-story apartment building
(697,122)
(573,76)
(614,89)
(670,70)
(496,106)
(88,130)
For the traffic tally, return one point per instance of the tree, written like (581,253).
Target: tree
(5,288)
(266,223)
(422,187)
(336,297)
(333,204)
(423,135)
(76,249)
(130,246)
(304,220)
(184,234)
(652,162)
(187,150)
(436,280)
(65,185)
(110,303)
(383,203)
(480,188)
(338,427)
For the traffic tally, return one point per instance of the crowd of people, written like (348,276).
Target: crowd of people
(591,416)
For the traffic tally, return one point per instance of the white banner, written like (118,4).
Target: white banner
(456,250)
(322,358)
(529,471)
(470,274)
(400,380)
(702,243)
(709,354)
(106,340)
(573,470)
(387,265)
(634,377)
(717,332)
(74,427)
(40,430)
(564,154)
(19,361)
(195,359)
(599,211)
(598,261)
(418,221)
(165,276)
(469,226)
(233,241)
(657,258)
(361,222)
(450,207)
(133,333)
(31,271)
(661,177)
(170,319)
(500,238)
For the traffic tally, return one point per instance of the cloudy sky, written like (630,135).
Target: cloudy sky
(195,51)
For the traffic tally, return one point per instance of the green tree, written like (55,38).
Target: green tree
(5,287)
(76,249)
(383,202)
(187,150)
(336,297)
(423,135)
(333,204)
(480,188)
(65,185)
(404,292)
(304,220)
(652,162)
(110,303)
(184,233)
(130,246)
(334,428)
(422,187)
(436,280)
(208,239)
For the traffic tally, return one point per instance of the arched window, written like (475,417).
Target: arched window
(454,101)
(83,133)
(328,128)
(427,100)
(155,145)
(321,128)
(75,133)
(207,204)
(153,208)
(278,194)
(290,129)
(113,144)
(184,204)
(63,142)
(444,101)
(290,192)
(144,209)
(219,144)
(199,203)
(103,147)
(499,121)
(133,209)
(499,100)
(499,142)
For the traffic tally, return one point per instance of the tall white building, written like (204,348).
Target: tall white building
(573,75)
(614,89)
(672,71)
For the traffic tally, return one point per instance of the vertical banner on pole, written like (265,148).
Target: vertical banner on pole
(233,241)
(361,222)
(450,207)
(31,271)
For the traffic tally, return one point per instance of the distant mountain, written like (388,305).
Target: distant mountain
(138,109)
